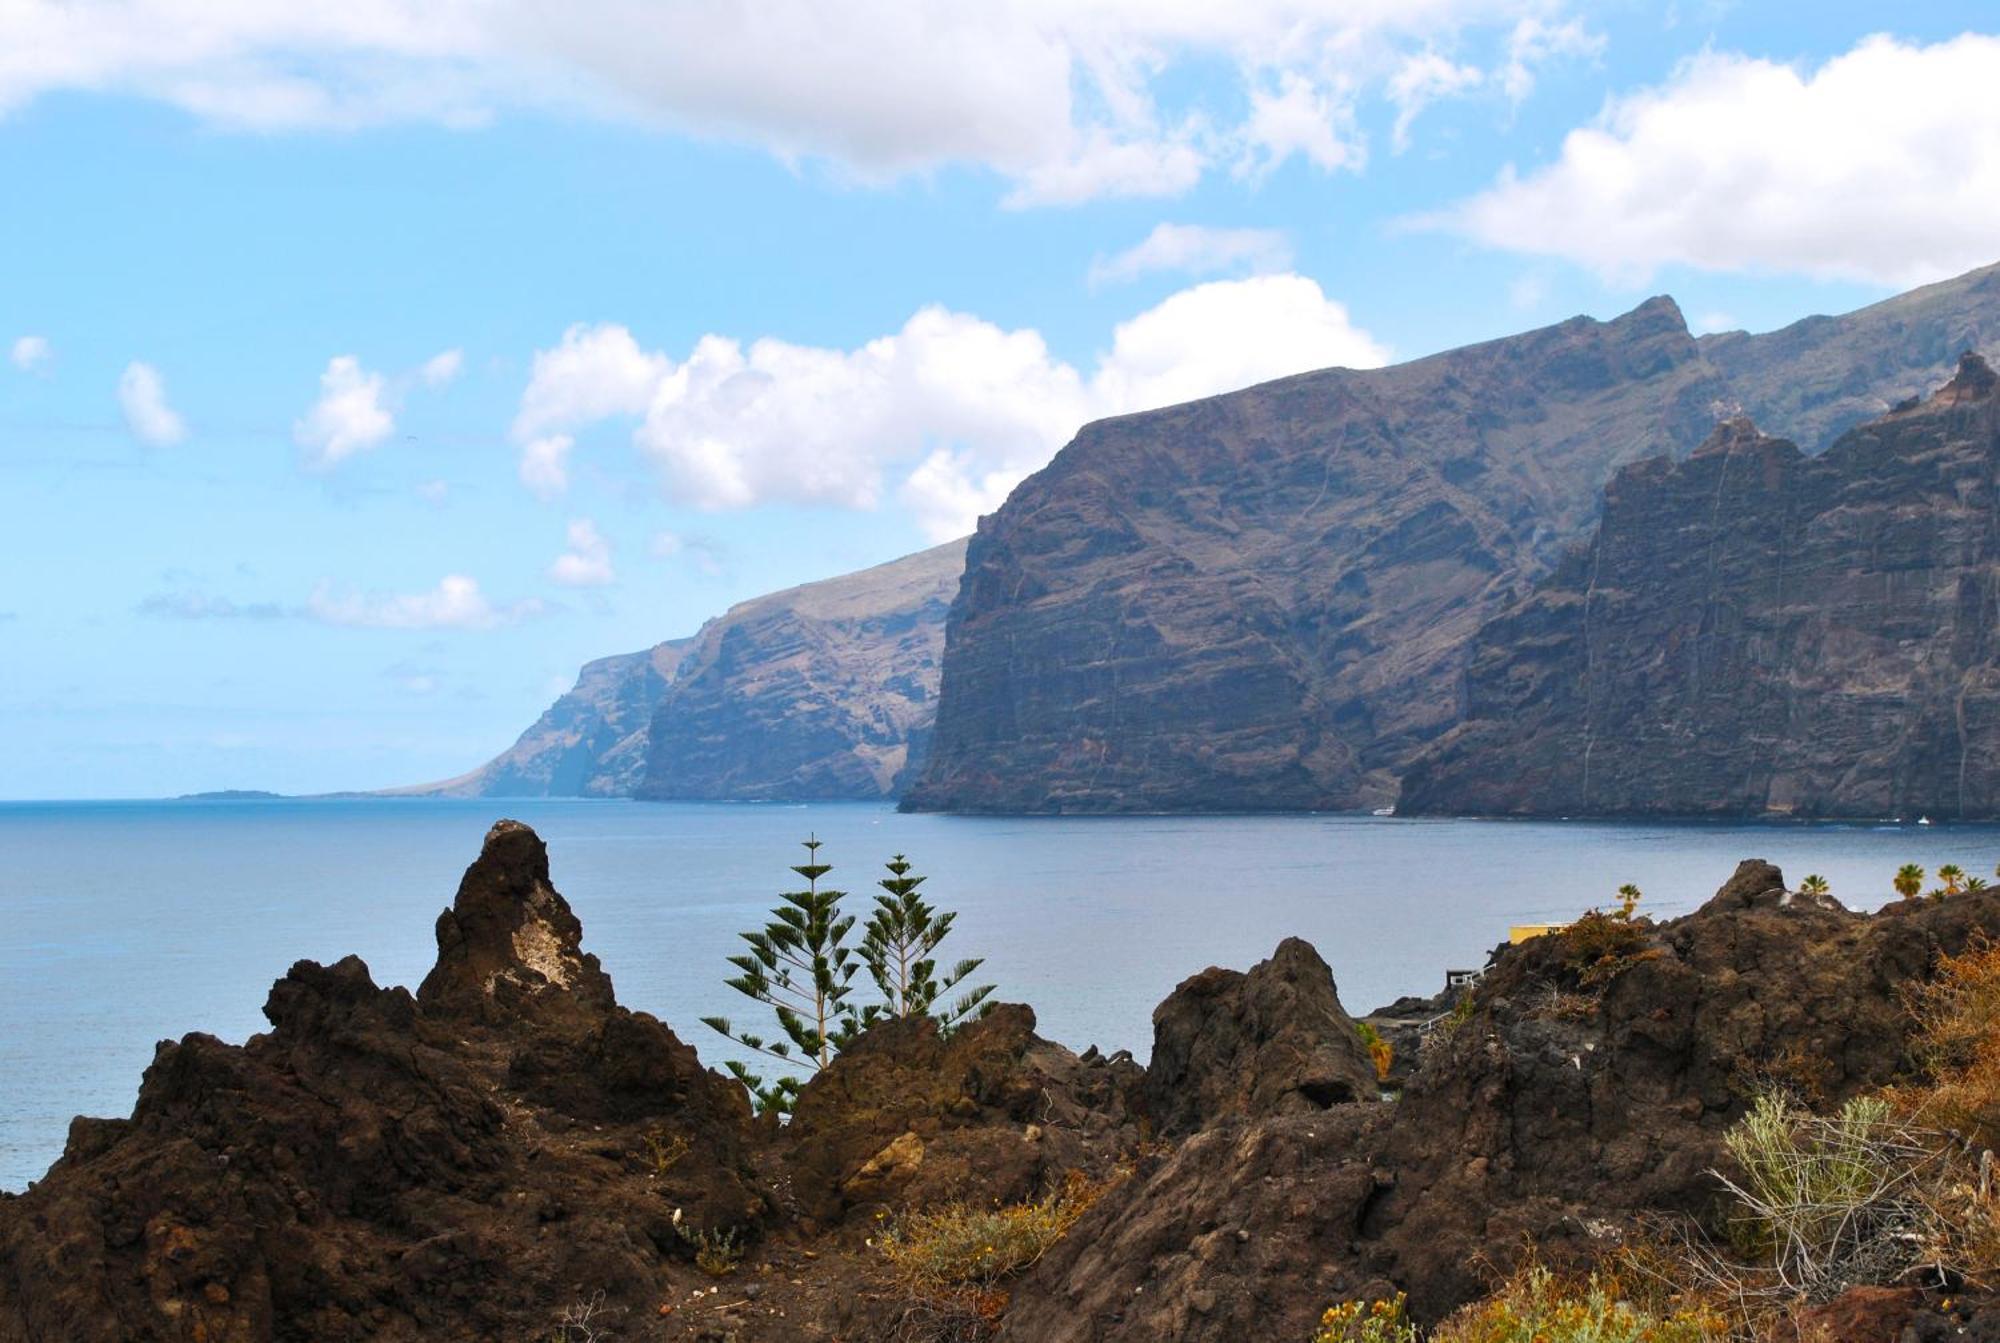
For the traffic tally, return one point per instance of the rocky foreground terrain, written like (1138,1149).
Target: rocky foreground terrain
(819,691)
(471,1160)
(1267,599)
(1755,631)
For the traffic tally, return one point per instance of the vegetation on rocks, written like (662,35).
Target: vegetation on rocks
(802,967)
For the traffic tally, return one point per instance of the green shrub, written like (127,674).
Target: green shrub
(1536,1306)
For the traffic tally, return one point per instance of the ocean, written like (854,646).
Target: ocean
(124,923)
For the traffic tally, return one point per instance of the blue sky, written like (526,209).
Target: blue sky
(367,371)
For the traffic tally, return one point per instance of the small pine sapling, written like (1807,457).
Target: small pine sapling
(800,966)
(899,946)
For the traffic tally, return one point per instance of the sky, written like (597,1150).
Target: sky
(365,369)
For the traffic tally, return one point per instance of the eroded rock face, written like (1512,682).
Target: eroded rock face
(509,947)
(1267,599)
(907,1117)
(826,690)
(1260,600)
(1234,1045)
(1528,1123)
(1757,632)
(456,1165)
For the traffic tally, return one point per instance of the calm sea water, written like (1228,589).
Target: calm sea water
(125,923)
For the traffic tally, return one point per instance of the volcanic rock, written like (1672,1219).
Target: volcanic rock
(907,1116)
(1275,1040)
(1267,600)
(827,690)
(370,1168)
(1529,1122)
(1757,632)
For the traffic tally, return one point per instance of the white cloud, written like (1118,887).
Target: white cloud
(950,411)
(1062,100)
(455,603)
(1881,165)
(1194,249)
(442,368)
(349,416)
(1538,39)
(587,562)
(1423,78)
(142,395)
(594,373)
(545,464)
(1297,116)
(434,492)
(30,353)
(704,554)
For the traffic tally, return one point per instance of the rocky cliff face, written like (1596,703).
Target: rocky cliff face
(589,743)
(1754,631)
(825,691)
(1258,600)
(1266,599)
(820,691)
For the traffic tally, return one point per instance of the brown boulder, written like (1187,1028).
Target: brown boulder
(1273,1041)
(991,1112)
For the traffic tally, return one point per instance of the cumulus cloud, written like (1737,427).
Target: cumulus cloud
(30,354)
(349,417)
(456,603)
(1882,165)
(587,562)
(1193,249)
(442,368)
(142,396)
(1064,101)
(950,411)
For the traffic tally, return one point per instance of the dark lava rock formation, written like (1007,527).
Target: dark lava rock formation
(1265,600)
(1530,1121)
(467,1162)
(1273,1041)
(1755,631)
(822,691)
(380,1166)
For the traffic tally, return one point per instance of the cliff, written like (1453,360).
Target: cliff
(823,691)
(1259,600)
(819,691)
(1266,600)
(1753,631)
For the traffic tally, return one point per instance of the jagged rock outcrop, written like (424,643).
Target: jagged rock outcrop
(465,1162)
(1530,1121)
(1234,1045)
(1814,380)
(1266,599)
(1753,631)
(456,1165)
(905,1116)
(827,690)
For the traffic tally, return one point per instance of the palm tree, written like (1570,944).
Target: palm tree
(1909,880)
(1974,884)
(1815,884)
(1953,877)
(1628,900)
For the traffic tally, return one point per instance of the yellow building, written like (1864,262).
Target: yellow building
(1523,932)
